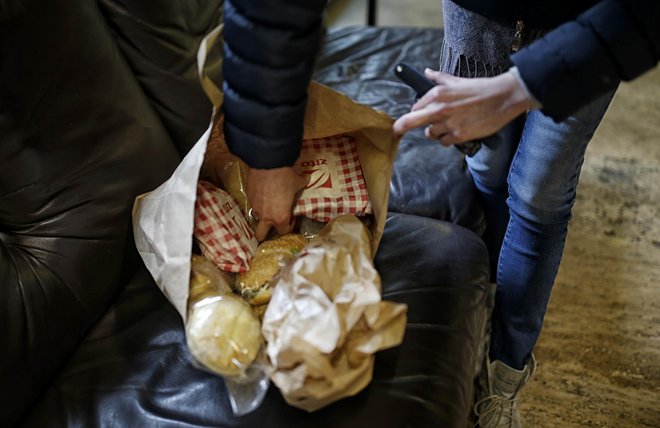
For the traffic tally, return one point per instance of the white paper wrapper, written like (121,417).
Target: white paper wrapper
(163,222)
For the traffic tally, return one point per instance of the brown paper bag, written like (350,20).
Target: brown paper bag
(163,220)
(311,377)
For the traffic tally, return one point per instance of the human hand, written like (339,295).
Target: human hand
(460,109)
(272,194)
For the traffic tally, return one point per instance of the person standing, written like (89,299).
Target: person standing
(531,81)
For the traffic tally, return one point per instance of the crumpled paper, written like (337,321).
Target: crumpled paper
(326,318)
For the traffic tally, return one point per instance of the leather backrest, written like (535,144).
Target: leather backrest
(159,40)
(78,142)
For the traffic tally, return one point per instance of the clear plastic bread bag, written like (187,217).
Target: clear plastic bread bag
(224,335)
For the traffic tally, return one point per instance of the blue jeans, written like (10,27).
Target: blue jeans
(527,175)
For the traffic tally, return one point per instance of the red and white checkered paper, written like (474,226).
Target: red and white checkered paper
(222,231)
(336,185)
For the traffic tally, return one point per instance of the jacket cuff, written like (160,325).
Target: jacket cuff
(262,153)
(566,69)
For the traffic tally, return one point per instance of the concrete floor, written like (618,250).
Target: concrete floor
(599,353)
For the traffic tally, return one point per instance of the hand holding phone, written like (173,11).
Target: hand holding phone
(421,85)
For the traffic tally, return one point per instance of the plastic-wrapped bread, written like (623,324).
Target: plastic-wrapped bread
(222,331)
(254,285)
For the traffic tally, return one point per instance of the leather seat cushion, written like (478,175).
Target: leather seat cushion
(134,368)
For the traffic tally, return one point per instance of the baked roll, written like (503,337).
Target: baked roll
(254,285)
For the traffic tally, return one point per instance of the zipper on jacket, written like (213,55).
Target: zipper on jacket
(517,37)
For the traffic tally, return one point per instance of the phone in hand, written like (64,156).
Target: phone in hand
(421,85)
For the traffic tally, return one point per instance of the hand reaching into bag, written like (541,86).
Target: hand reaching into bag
(272,194)
(460,109)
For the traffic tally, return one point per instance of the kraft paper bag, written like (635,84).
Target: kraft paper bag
(163,222)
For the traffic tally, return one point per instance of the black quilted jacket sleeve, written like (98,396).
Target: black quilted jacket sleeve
(270,46)
(613,41)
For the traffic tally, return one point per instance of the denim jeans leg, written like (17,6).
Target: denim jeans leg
(489,169)
(542,182)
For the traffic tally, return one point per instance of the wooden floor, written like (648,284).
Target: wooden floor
(599,353)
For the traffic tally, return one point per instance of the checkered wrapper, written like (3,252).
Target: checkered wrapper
(222,231)
(336,185)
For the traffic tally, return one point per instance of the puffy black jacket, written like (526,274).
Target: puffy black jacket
(593,46)
(578,61)
(270,46)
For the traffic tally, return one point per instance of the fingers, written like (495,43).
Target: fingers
(272,195)
(440,77)
(450,139)
(439,97)
(441,125)
(408,121)
(432,134)
(284,228)
(302,182)
(433,107)
(443,92)
(443,135)
(416,119)
(264,226)
(436,130)
(261,232)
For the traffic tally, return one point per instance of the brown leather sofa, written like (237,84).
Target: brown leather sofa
(99,101)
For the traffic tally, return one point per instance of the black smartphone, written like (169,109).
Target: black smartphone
(421,85)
